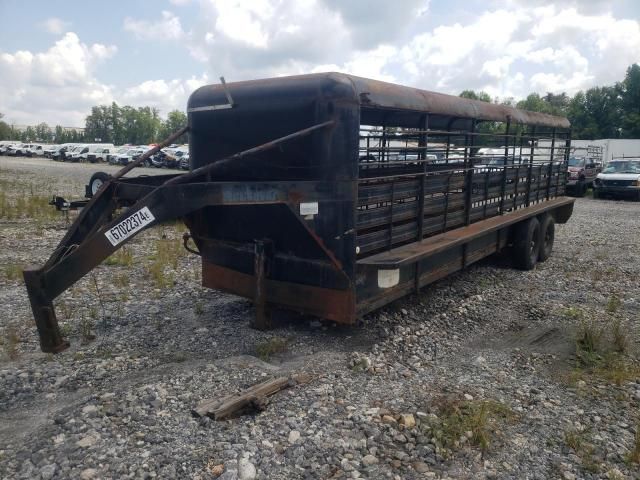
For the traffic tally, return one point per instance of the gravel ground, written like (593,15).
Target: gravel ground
(476,377)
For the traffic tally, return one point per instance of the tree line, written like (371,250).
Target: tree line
(599,112)
(106,124)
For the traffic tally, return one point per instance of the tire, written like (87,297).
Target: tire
(96,181)
(581,189)
(547,236)
(596,195)
(526,244)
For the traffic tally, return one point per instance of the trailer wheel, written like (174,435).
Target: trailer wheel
(526,245)
(96,181)
(547,235)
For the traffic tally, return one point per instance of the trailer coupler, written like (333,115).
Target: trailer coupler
(63,205)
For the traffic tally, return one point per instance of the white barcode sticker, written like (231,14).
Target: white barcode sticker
(129,226)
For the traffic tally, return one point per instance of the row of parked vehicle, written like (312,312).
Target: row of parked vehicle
(175,156)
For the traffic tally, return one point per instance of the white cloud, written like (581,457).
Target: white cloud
(54,25)
(57,85)
(167,28)
(163,94)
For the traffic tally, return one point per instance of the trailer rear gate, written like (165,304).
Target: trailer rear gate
(348,193)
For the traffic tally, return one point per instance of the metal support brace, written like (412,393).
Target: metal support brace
(262,320)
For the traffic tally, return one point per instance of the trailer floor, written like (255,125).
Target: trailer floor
(490,351)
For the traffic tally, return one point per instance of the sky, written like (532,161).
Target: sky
(58,58)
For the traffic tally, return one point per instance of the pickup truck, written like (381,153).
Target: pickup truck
(582,172)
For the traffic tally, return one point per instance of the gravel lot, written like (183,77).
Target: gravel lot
(476,377)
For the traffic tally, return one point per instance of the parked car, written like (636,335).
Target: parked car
(620,178)
(7,145)
(18,149)
(582,171)
(49,150)
(60,155)
(129,156)
(184,161)
(77,154)
(34,150)
(112,156)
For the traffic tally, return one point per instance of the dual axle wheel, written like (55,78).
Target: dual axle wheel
(533,241)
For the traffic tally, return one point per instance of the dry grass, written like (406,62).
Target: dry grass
(30,205)
(164,262)
(476,422)
(10,342)
(634,454)
(13,272)
(578,441)
(272,346)
(603,348)
(121,280)
(121,258)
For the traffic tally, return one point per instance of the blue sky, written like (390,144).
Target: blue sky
(58,58)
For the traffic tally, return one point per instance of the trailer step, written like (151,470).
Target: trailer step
(414,252)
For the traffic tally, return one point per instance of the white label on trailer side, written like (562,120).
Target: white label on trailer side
(129,226)
(310,208)
(388,278)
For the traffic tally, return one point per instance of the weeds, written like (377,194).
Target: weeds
(121,258)
(634,454)
(578,442)
(613,305)
(603,350)
(465,421)
(121,280)
(86,329)
(30,206)
(13,272)
(620,339)
(10,342)
(198,308)
(270,347)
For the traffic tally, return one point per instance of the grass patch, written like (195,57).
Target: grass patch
(13,272)
(272,346)
(634,454)
(121,280)
(121,258)
(26,206)
(579,443)
(613,304)
(164,262)
(198,308)
(603,350)
(10,342)
(459,422)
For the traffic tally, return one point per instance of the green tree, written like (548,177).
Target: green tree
(630,102)
(473,95)
(176,119)
(5,129)
(595,113)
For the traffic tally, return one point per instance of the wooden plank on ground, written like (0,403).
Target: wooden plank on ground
(252,398)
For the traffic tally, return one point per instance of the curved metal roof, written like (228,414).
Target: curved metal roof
(368,93)
(388,95)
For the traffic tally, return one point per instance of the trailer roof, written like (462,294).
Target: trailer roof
(384,95)
(376,93)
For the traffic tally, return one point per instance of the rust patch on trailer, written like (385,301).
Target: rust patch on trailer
(336,305)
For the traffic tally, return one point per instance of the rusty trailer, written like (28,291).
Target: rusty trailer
(330,195)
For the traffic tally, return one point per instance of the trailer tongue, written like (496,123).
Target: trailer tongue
(329,195)
(92,237)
